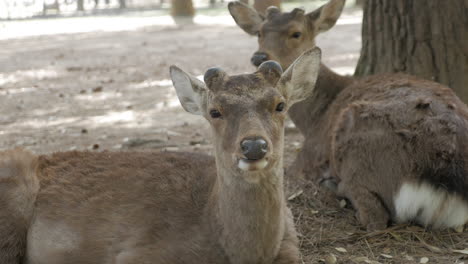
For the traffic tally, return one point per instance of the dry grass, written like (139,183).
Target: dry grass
(331,234)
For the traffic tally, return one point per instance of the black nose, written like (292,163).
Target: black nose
(258,58)
(254,148)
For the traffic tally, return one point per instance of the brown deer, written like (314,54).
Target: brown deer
(130,207)
(395,145)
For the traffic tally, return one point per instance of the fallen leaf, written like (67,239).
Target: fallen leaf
(462,251)
(295,195)
(424,260)
(360,259)
(396,236)
(343,203)
(340,249)
(459,229)
(330,259)
(386,256)
(97,89)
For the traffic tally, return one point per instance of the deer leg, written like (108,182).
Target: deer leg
(370,210)
(18,189)
(289,249)
(12,225)
(13,242)
(288,253)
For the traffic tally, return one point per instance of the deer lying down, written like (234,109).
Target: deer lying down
(130,207)
(396,145)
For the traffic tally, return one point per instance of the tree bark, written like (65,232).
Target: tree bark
(122,4)
(182,8)
(426,38)
(80,5)
(262,5)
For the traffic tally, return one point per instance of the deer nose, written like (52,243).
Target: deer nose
(254,148)
(258,58)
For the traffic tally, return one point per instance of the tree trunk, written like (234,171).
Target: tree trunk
(122,4)
(182,8)
(262,5)
(80,5)
(426,38)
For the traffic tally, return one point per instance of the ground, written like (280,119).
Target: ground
(102,82)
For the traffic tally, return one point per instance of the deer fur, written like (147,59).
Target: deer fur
(141,207)
(394,145)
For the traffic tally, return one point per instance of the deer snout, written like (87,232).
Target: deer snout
(259,57)
(254,148)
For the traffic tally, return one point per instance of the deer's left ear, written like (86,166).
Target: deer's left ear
(298,81)
(325,17)
(192,93)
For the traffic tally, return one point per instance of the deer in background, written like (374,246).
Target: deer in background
(130,207)
(395,145)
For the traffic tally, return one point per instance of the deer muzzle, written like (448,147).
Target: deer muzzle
(258,57)
(254,151)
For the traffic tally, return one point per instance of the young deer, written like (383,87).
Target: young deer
(283,36)
(130,207)
(396,145)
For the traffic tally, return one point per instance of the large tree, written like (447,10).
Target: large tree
(182,8)
(80,5)
(427,38)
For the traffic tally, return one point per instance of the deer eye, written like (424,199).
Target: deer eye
(215,113)
(296,35)
(280,107)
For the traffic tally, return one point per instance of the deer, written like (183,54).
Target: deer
(394,145)
(167,207)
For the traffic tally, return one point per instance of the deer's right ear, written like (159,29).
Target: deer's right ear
(246,17)
(192,92)
(298,81)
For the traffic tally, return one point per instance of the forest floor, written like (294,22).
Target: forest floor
(102,83)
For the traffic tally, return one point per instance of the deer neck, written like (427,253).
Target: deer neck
(330,82)
(250,215)
(310,111)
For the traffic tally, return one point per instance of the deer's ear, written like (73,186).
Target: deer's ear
(246,17)
(298,81)
(192,93)
(325,17)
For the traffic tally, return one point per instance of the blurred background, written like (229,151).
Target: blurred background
(86,74)
(16,9)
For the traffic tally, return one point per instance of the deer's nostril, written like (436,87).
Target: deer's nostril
(254,148)
(258,58)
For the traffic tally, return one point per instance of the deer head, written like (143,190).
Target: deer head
(247,112)
(283,36)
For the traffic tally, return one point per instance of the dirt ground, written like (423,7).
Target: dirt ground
(102,83)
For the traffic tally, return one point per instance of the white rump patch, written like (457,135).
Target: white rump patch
(428,206)
(250,166)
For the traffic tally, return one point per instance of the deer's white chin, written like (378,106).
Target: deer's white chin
(247,165)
